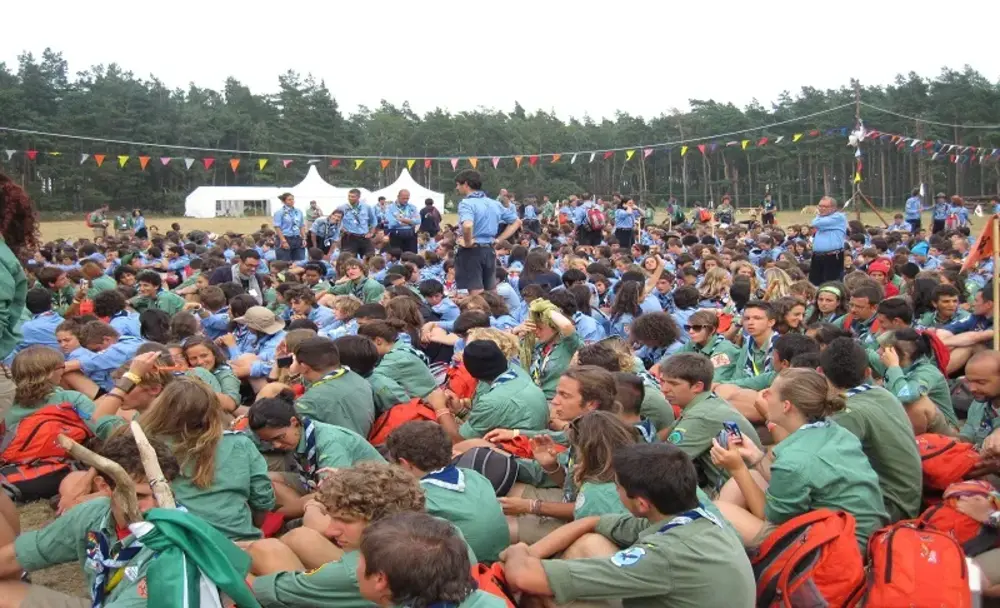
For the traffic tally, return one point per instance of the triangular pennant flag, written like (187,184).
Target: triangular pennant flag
(533,159)
(745,143)
(730,144)
(555,158)
(935,155)
(857,177)
(334,162)
(261,163)
(55,153)
(701,148)
(427,163)
(385,163)
(187,162)
(83,158)
(9,153)
(496,161)
(684,150)
(592,155)
(796,137)
(454,164)
(358,162)
(143,161)
(312,161)
(780,139)
(32,154)
(473,161)
(608,154)
(762,142)
(628,155)
(814,133)
(285,162)
(99,159)
(234,164)
(122,160)
(928,145)
(165,160)
(207,162)
(915,143)
(646,152)
(409,163)
(572,160)
(517,161)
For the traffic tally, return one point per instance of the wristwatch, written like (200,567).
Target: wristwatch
(993,521)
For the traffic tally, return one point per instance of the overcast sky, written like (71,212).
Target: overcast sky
(573,57)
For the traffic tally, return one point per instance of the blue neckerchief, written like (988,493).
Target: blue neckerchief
(815,425)
(646,429)
(308,466)
(476,194)
(102,560)
(507,376)
(751,344)
(858,389)
(687,517)
(450,478)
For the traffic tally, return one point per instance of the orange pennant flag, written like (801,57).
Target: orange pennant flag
(385,163)
(517,161)
(473,161)
(122,159)
(99,159)
(983,249)
(234,163)
(142,162)
(555,158)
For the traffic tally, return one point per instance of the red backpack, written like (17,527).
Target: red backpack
(397,416)
(945,460)
(917,568)
(596,219)
(29,450)
(810,560)
(493,580)
(974,537)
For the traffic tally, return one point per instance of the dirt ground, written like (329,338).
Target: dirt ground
(76,228)
(67,578)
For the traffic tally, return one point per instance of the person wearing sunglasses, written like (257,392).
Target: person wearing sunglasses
(701,329)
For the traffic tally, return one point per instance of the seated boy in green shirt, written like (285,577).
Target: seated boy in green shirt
(414,559)
(361,356)
(95,533)
(669,551)
(461,496)
(404,363)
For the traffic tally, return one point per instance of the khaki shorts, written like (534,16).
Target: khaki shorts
(100,232)
(532,528)
(43,597)
(989,562)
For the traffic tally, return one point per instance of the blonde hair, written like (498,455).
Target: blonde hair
(809,391)
(754,283)
(31,370)
(779,284)
(348,305)
(187,414)
(716,284)
(508,343)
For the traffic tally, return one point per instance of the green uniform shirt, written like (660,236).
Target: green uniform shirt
(170,303)
(345,400)
(337,447)
(62,299)
(721,352)
(758,356)
(931,319)
(695,565)
(756,383)
(878,419)
(548,211)
(921,378)
(403,364)
(981,420)
(81,403)
(188,282)
(512,401)
(240,485)
(824,466)
(386,392)
(123,222)
(65,540)
(700,423)
(229,382)
(598,498)
(205,376)
(548,365)
(365,289)
(471,505)
(654,405)
(100,284)
(332,584)
(320,288)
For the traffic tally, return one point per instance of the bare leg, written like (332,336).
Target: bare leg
(10,523)
(13,593)
(732,494)
(746,523)
(921,413)
(78,487)
(590,545)
(257,384)
(289,500)
(76,381)
(742,399)
(311,547)
(270,390)
(270,555)
(961,355)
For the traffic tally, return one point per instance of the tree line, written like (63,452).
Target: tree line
(303,117)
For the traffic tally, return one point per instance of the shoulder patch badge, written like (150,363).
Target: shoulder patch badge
(628,557)
(720,359)
(676,436)
(580,500)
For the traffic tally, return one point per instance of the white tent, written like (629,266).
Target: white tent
(418,194)
(315,188)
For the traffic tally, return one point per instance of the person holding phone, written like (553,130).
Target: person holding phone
(818,465)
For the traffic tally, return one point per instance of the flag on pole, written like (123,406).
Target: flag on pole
(83,158)
(983,248)
(122,159)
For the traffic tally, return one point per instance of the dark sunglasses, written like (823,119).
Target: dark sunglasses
(695,327)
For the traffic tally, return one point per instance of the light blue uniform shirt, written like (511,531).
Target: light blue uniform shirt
(325,231)
(265,347)
(138,223)
(339,329)
(126,324)
(941,210)
(620,326)
(407,211)
(530,213)
(506,291)
(625,220)
(359,219)
(650,304)
(580,213)
(900,227)
(588,328)
(486,215)
(322,316)
(39,330)
(178,263)
(831,232)
(447,310)
(913,207)
(99,367)
(289,221)
(216,325)
(80,354)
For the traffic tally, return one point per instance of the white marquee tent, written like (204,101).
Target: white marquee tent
(418,194)
(239,201)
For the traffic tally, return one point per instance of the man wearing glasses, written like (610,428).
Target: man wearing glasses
(828,243)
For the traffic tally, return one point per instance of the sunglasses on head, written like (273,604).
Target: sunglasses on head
(694,327)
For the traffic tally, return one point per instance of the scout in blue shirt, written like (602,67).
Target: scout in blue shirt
(480,218)
(831,230)
(913,207)
(360,219)
(41,328)
(269,331)
(111,352)
(302,302)
(290,226)
(433,292)
(402,220)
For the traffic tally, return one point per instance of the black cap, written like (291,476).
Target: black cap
(484,360)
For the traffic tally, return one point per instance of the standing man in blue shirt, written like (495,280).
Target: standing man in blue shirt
(402,220)
(625,218)
(290,224)
(531,223)
(479,217)
(941,210)
(828,243)
(360,222)
(913,208)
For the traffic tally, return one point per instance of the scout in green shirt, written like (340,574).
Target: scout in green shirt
(461,496)
(505,397)
(786,348)
(863,319)
(401,361)
(670,552)
(360,355)
(151,296)
(631,392)
(982,373)
(818,465)
(97,281)
(356,283)
(334,394)
(550,341)
(701,328)
(912,373)
(686,379)
(945,300)
(13,290)
(878,419)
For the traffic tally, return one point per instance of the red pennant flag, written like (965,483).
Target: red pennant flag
(165,160)
(335,162)
(813,133)
(928,145)
(143,161)
(208,162)
(99,159)
(285,162)
(32,154)
(701,148)
(427,163)
(533,159)
(385,163)
(761,142)
(234,163)
(608,155)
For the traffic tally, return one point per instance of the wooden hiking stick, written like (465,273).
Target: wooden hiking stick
(159,485)
(124,486)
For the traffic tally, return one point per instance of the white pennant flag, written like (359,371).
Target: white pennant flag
(779,140)
(592,154)
(83,158)
(10,153)
(188,162)
(572,160)
(312,161)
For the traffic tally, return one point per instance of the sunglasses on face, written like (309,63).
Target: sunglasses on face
(694,327)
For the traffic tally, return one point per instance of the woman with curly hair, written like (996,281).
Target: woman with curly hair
(625,308)
(18,239)
(830,304)
(788,314)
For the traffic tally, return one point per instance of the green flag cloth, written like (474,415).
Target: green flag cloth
(194,562)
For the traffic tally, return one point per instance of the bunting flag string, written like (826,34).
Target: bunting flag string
(936,149)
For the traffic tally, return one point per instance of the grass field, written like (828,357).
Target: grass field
(76,228)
